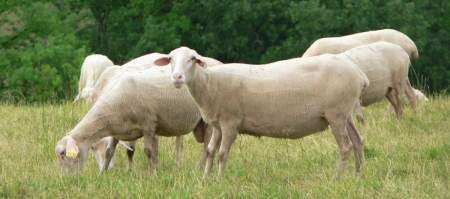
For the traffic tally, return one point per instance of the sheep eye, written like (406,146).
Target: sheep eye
(192,58)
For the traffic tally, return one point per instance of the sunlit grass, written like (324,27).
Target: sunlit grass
(402,160)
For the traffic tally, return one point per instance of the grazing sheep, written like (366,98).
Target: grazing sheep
(92,68)
(386,65)
(336,45)
(111,75)
(139,104)
(286,99)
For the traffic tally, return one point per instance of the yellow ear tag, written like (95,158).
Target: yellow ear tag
(72,153)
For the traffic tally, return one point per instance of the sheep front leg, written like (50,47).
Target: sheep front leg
(149,151)
(207,138)
(396,103)
(130,154)
(179,146)
(411,95)
(359,114)
(110,150)
(229,134)
(210,151)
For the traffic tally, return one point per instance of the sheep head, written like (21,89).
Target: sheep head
(183,62)
(70,155)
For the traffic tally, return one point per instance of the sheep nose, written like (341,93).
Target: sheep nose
(177,76)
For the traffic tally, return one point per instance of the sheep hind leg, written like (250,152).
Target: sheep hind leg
(211,149)
(358,145)
(338,127)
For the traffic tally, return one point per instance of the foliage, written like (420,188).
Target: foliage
(41,56)
(64,32)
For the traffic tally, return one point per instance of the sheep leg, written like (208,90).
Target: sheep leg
(358,144)
(179,146)
(155,150)
(207,138)
(210,151)
(130,154)
(359,114)
(110,150)
(229,134)
(338,127)
(391,96)
(149,151)
(410,94)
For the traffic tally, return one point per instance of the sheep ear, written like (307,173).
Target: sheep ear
(125,144)
(162,61)
(199,61)
(71,148)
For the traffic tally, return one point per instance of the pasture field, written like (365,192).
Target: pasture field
(407,160)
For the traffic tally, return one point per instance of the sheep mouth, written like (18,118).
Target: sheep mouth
(178,84)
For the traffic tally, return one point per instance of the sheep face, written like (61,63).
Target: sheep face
(70,157)
(183,61)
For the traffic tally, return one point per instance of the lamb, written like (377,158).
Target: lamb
(286,99)
(336,45)
(112,74)
(140,104)
(92,68)
(386,65)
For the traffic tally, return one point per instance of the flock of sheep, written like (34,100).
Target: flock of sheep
(176,93)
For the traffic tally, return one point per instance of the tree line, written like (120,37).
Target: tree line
(44,43)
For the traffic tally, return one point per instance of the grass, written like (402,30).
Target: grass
(407,160)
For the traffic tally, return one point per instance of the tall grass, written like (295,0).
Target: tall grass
(407,160)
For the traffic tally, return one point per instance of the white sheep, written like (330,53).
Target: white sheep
(386,65)
(140,104)
(111,75)
(286,99)
(92,68)
(336,45)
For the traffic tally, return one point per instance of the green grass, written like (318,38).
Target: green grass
(407,160)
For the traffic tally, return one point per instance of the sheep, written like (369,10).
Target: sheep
(92,68)
(140,104)
(386,65)
(336,45)
(113,73)
(140,63)
(285,99)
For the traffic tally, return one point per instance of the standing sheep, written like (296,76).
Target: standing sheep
(140,104)
(92,68)
(286,99)
(114,73)
(386,65)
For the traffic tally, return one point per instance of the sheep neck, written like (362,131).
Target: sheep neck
(199,87)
